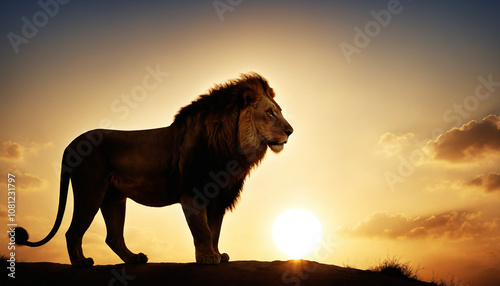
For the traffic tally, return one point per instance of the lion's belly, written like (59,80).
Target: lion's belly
(152,191)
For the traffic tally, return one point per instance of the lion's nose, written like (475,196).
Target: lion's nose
(289,130)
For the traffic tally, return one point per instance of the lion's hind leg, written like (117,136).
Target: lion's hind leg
(83,215)
(74,236)
(113,211)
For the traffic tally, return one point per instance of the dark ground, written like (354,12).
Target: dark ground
(233,273)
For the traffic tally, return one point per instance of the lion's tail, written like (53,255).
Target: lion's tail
(21,234)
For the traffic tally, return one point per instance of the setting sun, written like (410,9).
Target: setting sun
(297,232)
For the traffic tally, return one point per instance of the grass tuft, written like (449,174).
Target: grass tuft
(395,268)
(349,265)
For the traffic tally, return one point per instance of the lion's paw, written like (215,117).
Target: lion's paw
(142,258)
(138,259)
(208,258)
(84,263)
(224,257)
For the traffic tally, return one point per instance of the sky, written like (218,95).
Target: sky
(395,107)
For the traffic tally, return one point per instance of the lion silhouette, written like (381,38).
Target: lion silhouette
(200,161)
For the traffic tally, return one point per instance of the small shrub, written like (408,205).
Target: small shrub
(395,268)
(348,265)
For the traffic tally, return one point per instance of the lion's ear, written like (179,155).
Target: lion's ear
(250,97)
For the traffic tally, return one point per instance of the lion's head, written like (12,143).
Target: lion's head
(240,116)
(261,122)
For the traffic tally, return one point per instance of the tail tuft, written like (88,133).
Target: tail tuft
(21,236)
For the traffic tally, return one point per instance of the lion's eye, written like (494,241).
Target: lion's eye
(270,113)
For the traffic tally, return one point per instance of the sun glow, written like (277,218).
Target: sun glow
(297,232)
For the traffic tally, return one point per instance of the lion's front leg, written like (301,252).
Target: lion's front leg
(198,224)
(215,218)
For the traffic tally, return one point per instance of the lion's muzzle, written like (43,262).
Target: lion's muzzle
(278,145)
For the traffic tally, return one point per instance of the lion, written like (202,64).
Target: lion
(200,161)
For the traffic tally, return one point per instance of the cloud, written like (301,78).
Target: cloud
(469,142)
(392,144)
(25,181)
(14,151)
(490,182)
(31,182)
(11,151)
(452,225)
(12,157)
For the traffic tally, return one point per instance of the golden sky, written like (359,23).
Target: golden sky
(396,145)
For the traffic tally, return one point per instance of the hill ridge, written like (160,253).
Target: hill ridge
(251,272)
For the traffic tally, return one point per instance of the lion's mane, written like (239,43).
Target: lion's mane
(225,134)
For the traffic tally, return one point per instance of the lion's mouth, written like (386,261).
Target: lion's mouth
(275,143)
(276,146)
